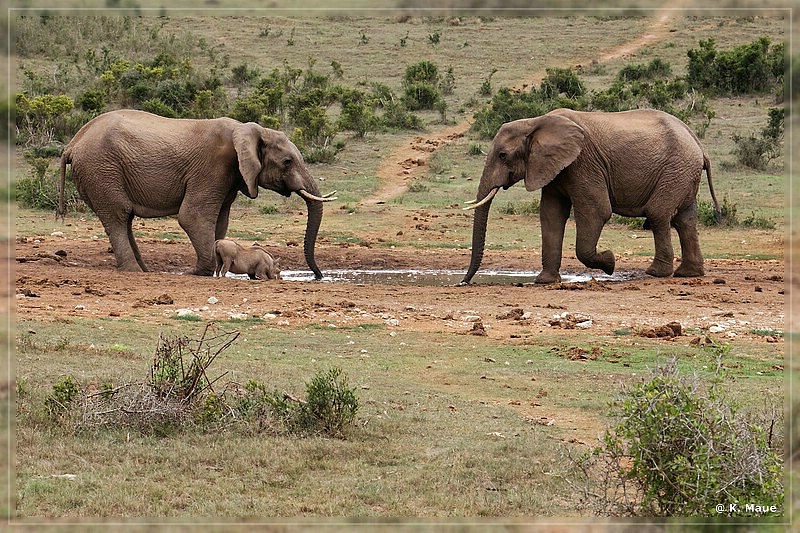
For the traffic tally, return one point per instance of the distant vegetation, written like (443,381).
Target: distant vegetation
(182,75)
(754,68)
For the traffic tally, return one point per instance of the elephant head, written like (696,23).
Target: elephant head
(535,150)
(267,158)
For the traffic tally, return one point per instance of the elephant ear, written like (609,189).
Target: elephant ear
(553,144)
(247,140)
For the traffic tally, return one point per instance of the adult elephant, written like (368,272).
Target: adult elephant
(641,163)
(130,163)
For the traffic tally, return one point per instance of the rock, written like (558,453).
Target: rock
(770,338)
(478,329)
(164,299)
(212,300)
(515,314)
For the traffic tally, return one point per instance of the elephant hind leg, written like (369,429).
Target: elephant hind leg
(661,266)
(119,230)
(588,230)
(685,222)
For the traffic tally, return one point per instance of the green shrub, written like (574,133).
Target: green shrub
(59,402)
(756,151)
(755,67)
(40,120)
(421,95)
(681,448)
(92,100)
(158,107)
(423,71)
(727,213)
(331,405)
(560,81)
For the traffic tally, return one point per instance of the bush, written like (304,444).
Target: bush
(756,151)
(421,95)
(756,67)
(680,448)
(560,81)
(40,120)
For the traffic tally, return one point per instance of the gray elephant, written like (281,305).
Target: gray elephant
(640,163)
(255,261)
(130,163)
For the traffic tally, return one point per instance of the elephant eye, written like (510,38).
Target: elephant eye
(502,156)
(287,162)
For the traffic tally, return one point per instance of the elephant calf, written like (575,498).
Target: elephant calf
(254,261)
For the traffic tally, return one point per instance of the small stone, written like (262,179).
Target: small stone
(212,300)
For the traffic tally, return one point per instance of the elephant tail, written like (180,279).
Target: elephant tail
(61,209)
(707,167)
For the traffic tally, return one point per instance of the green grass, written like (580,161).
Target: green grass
(467,420)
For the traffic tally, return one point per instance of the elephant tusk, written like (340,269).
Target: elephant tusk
(470,202)
(486,199)
(308,196)
(329,194)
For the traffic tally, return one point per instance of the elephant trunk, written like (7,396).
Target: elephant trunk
(312,229)
(478,240)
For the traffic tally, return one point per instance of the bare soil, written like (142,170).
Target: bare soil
(58,277)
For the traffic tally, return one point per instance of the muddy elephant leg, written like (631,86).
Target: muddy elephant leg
(119,231)
(685,222)
(553,214)
(662,262)
(588,226)
(199,225)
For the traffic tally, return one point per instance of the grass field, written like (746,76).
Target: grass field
(450,426)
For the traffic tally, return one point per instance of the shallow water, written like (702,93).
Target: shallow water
(440,277)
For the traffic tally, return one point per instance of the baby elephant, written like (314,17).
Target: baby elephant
(255,261)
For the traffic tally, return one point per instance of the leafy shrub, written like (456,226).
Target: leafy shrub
(421,95)
(39,189)
(755,67)
(727,213)
(656,69)
(680,448)
(158,107)
(756,151)
(422,86)
(40,120)
(64,393)
(560,81)
(92,100)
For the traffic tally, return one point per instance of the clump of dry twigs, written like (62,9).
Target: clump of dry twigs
(178,385)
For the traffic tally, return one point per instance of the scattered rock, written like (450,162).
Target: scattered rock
(515,314)
(669,330)
(61,253)
(770,338)
(212,300)
(478,329)
(719,281)
(568,320)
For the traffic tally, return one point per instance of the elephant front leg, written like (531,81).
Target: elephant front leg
(553,214)
(199,225)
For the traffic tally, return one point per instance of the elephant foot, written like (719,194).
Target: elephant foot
(659,269)
(197,271)
(689,270)
(608,262)
(605,261)
(545,277)
(131,267)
